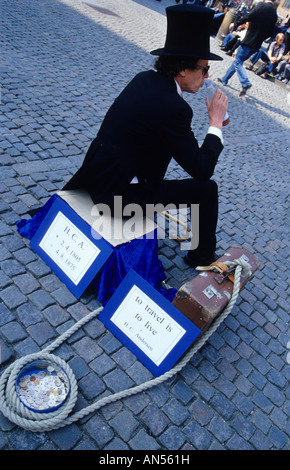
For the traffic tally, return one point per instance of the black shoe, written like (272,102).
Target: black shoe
(194,261)
(244,90)
(220,80)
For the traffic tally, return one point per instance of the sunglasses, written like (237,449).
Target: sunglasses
(204,69)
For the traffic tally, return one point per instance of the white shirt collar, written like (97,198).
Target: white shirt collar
(179,90)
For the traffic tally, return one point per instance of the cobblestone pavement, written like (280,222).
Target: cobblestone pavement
(62,63)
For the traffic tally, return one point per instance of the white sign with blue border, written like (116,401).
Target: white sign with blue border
(148,324)
(70,247)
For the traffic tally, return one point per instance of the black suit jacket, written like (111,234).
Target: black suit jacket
(262,18)
(147,125)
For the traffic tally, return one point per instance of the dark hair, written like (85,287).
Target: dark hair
(172,65)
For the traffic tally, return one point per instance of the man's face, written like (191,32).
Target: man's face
(192,80)
(279,41)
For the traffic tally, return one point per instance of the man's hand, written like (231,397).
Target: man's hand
(217,109)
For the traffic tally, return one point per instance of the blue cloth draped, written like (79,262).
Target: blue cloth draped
(140,254)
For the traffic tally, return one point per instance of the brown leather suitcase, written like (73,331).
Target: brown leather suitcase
(204,297)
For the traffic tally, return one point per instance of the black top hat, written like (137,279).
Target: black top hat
(188,32)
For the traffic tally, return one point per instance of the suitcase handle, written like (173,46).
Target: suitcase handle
(221,268)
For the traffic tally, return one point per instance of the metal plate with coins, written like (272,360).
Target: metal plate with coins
(42,386)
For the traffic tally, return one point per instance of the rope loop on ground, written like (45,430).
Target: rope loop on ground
(16,412)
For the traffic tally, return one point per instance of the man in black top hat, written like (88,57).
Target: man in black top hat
(150,123)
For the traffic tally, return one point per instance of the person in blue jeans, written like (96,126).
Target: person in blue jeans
(262,19)
(273,57)
(243,53)
(283,69)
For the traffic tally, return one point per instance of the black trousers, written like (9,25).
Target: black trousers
(185,192)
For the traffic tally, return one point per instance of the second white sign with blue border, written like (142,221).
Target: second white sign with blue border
(148,324)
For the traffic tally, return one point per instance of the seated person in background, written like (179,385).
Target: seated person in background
(234,39)
(281,27)
(284,25)
(218,19)
(242,10)
(283,69)
(274,55)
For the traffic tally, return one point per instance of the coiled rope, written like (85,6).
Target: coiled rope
(16,412)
